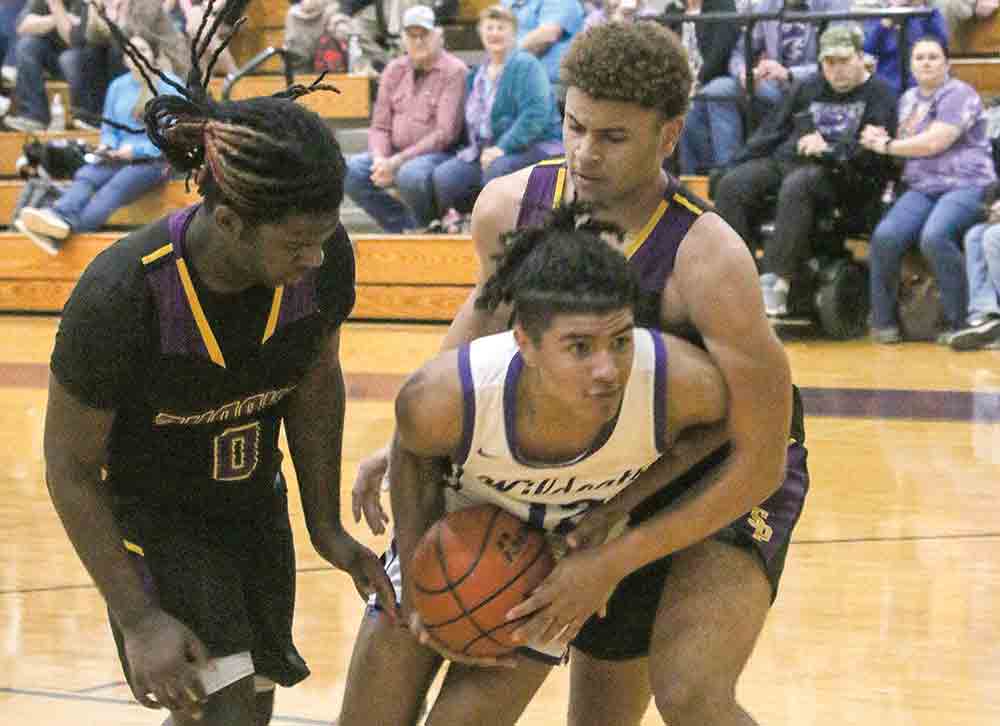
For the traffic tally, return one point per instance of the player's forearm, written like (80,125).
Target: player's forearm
(315,427)
(417,499)
(470,323)
(693,446)
(731,490)
(82,502)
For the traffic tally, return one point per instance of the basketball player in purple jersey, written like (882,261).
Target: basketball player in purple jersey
(681,629)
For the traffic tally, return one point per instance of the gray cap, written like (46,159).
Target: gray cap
(419,16)
(841,41)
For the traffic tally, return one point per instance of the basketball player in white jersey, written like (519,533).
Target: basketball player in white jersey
(681,631)
(545,421)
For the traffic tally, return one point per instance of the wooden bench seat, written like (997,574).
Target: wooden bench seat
(414,277)
(148,208)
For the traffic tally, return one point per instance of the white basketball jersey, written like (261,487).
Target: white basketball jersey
(487,467)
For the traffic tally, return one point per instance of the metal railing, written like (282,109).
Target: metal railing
(254,63)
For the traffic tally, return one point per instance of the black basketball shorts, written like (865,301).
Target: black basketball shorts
(231,580)
(766,530)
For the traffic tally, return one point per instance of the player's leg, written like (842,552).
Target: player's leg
(389,675)
(713,608)
(607,691)
(472,696)
(234,705)
(714,603)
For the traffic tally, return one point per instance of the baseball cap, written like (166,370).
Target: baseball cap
(419,16)
(841,41)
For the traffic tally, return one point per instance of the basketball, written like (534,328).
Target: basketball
(469,569)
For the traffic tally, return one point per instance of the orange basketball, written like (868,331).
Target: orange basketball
(469,569)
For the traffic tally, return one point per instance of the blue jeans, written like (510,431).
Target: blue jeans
(9,10)
(413,182)
(99,189)
(937,224)
(37,54)
(457,183)
(713,130)
(982,269)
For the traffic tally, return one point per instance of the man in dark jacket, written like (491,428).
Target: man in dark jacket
(713,130)
(808,153)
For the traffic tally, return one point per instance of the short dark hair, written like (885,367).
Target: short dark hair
(265,157)
(642,63)
(928,38)
(561,266)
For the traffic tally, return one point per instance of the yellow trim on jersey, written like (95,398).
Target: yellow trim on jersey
(560,185)
(272,318)
(157,254)
(691,206)
(551,162)
(133,547)
(214,351)
(644,233)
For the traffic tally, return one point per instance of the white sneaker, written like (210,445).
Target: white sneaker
(9,75)
(46,243)
(45,221)
(775,292)
(23,124)
(4,105)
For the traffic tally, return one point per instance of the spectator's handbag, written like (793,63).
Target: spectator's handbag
(331,55)
(60,158)
(921,316)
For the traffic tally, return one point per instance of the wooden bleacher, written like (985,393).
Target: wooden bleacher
(399,277)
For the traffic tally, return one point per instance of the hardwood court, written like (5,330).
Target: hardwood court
(889,611)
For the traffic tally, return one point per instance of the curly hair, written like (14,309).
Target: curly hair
(642,63)
(561,266)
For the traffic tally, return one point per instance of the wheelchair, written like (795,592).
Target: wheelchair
(830,292)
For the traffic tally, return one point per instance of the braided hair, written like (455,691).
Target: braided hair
(264,157)
(562,266)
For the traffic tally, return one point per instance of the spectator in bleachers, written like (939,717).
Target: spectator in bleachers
(982,271)
(959,13)
(948,166)
(103,57)
(50,34)
(618,11)
(128,164)
(226,63)
(713,129)
(545,29)
(416,121)
(809,155)
(9,10)
(305,23)
(511,118)
(882,42)
(783,52)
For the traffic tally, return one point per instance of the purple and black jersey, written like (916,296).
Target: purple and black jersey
(197,379)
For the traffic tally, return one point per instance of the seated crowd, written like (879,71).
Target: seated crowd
(836,122)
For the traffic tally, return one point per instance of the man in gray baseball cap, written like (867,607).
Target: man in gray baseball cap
(416,120)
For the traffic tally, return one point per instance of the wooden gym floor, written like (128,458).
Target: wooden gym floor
(889,611)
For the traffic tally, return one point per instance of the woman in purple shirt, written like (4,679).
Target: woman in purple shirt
(948,164)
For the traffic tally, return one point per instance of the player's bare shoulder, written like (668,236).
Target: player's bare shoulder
(496,212)
(429,407)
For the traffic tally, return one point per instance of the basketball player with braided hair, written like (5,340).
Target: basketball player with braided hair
(182,350)
(679,630)
(546,420)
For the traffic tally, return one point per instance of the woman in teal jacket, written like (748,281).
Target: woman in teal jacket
(511,118)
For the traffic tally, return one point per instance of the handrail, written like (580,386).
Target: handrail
(251,65)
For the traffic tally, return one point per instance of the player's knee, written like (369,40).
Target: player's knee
(683,701)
